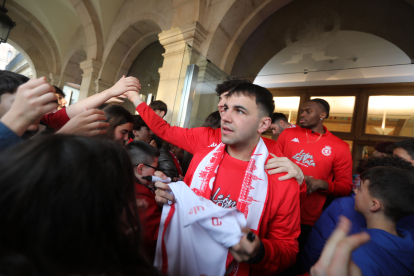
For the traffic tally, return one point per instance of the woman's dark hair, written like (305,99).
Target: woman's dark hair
(67,207)
(116,115)
(394,187)
(213,120)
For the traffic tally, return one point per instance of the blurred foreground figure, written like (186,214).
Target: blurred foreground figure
(67,207)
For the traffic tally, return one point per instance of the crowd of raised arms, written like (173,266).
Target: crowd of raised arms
(91,189)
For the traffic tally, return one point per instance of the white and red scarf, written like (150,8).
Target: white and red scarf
(253,193)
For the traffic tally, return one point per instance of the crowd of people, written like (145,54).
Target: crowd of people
(91,189)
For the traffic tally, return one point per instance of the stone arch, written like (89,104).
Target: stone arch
(126,49)
(238,23)
(269,37)
(91,26)
(34,40)
(77,53)
(25,55)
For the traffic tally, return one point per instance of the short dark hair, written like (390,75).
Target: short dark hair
(229,84)
(10,81)
(407,145)
(213,120)
(77,227)
(394,187)
(264,99)
(386,161)
(138,124)
(324,104)
(276,117)
(116,115)
(59,91)
(159,105)
(142,153)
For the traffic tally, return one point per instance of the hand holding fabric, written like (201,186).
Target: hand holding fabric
(245,250)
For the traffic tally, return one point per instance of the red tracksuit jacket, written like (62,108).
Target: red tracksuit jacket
(328,159)
(279,228)
(56,120)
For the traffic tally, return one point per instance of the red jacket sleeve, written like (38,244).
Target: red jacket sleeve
(190,140)
(150,221)
(280,241)
(56,120)
(342,171)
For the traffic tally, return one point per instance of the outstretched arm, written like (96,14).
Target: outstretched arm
(124,85)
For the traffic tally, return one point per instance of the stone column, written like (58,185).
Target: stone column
(54,79)
(90,69)
(176,58)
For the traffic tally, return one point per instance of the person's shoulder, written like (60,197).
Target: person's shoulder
(202,153)
(338,140)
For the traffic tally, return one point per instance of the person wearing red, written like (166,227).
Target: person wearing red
(195,139)
(245,117)
(324,159)
(144,158)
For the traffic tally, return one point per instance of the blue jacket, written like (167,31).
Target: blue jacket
(386,254)
(328,221)
(7,137)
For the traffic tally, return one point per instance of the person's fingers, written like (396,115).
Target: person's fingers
(286,177)
(33,83)
(94,117)
(338,234)
(160,174)
(162,185)
(343,250)
(160,199)
(354,270)
(88,112)
(95,132)
(278,170)
(42,89)
(47,108)
(96,125)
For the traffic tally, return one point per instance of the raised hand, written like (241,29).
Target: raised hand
(88,123)
(124,85)
(33,99)
(283,164)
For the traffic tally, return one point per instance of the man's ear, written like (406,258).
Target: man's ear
(264,124)
(162,114)
(375,205)
(138,169)
(323,115)
(135,132)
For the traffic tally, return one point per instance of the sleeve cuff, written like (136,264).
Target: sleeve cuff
(141,107)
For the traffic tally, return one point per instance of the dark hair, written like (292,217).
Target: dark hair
(142,153)
(138,124)
(276,117)
(229,84)
(159,105)
(213,120)
(264,99)
(59,91)
(116,115)
(386,161)
(10,81)
(394,187)
(72,211)
(324,104)
(407,145)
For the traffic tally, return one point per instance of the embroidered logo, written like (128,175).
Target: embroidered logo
(223,202)
(213,145)
(326,151)
(216,222)
(305,159)
(295,140)
(194,209)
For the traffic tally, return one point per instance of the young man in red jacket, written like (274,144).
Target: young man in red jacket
(271,206)
(195,139)
(324,159)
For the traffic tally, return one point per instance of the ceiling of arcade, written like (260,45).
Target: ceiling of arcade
(56,34)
